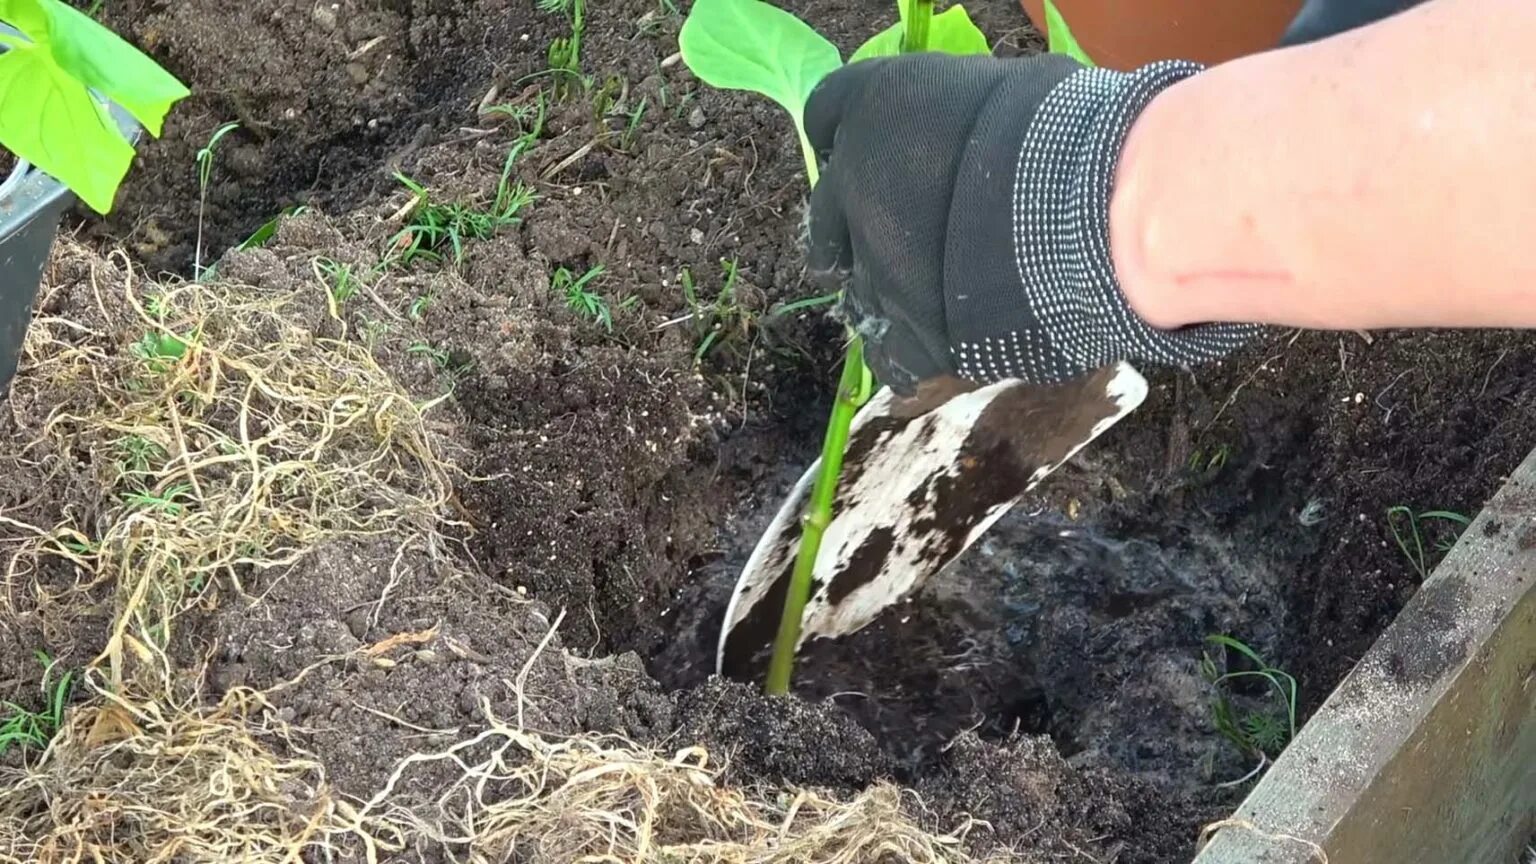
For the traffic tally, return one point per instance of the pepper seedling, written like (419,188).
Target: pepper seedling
(56,80)
(755,46)
(926,475)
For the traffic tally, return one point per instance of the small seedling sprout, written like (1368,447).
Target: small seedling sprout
(204,175)
(340,283)
(33,730)
(433,225)
(632,127)
(1258,734)
(565,52)
(1412,543)
(579,298)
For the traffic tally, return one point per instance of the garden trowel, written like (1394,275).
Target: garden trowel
(923,477)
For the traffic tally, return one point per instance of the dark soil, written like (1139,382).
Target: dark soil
(7,162)
(1048,683)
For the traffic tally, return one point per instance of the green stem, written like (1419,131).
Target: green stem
(852,391)
(811,172)
(919,12)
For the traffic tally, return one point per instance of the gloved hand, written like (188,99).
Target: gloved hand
(964,209)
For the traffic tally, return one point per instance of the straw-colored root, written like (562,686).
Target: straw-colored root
(261,441)
(153,782)
(258,443)
(523,796)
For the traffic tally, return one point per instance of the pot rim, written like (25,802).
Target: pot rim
(13,181)
(19,171)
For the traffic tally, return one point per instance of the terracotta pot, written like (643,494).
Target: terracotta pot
(1123,34)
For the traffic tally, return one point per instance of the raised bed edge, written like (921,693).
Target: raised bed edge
(1426,752)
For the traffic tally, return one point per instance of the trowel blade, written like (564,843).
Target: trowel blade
(922,479)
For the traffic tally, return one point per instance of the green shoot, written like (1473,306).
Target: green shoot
(268,229)
(168,502)
(530,118)
(33,730)
(158,350)
(438,356)
(796,306)
(50,117)
(419,307)
(340,283)
(1258,734)
(138,457)
(1059,36)
(632,128)
(565,53)
(1203,462)
(724,321)
(1412,543)
(581,299)
(752,45)
(717,318)
(204,174)
(434,225)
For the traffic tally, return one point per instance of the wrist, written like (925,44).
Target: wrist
(1133,223)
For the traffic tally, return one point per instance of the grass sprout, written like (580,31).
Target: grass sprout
(581,299)
(1259,734)
(33,730)
(434,225)
(205,157)
(1405,526)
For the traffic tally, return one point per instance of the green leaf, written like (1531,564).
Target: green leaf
(1059,36)
(751,45)
(98,58)
(950,32)
(886,43)
(953,32)
(49,119)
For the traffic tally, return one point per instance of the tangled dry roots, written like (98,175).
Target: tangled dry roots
(159,783)
(225,437)
(152,782)
(526,797)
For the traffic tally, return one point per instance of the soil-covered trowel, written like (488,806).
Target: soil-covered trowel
(923,477)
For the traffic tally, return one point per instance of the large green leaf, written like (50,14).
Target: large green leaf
(98,58)
(1059,38)
(950,32)
(49,119)
(752,45)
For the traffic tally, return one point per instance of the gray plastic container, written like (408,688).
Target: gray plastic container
(31,204)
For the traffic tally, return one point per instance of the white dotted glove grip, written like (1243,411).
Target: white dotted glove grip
(1064,312)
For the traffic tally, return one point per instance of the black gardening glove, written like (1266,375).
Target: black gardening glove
(963,207)
(1319,19)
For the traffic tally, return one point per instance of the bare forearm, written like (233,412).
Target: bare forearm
(1383,178)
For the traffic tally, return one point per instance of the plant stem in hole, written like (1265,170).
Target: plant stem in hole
(915,40)
(852,391)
